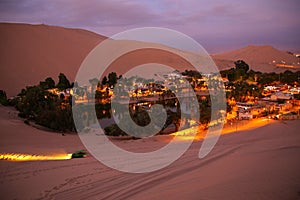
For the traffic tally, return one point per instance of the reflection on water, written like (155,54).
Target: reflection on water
(104,111)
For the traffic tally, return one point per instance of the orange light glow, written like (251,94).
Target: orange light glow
(33,157)
(192,133)
(199,133)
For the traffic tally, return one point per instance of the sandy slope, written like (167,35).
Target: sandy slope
(258,164)
(30,53)
(259,58)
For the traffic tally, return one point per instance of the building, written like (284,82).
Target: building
(281,95)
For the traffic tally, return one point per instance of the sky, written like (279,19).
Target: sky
(218,25)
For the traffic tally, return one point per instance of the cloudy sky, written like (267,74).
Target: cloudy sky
(218,25)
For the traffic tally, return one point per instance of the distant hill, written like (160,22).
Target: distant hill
(260,58)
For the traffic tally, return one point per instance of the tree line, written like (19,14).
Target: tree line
(54,111)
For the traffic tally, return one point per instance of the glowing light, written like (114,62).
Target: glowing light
(192,133)
(198,133)
(33,157)
(192,122)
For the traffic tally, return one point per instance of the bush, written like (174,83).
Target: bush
(22,115)
(114,130)
(102,110)
(26,122)
(13,102)
(59,119)
(3,98)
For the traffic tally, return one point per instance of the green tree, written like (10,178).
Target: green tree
(3,98)
(288,77)
(114,130)
(192,74)
(46,109)
(104,80)
(232,74)
(112,79)
(59,119)
(48,83)
(241,65)
(63,82)
(33,101)
(268,78)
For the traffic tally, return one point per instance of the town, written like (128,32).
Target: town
(249,95)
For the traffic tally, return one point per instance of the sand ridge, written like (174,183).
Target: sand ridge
(31,53)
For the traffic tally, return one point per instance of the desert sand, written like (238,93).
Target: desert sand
(260,163)
(31,53)
(260,58)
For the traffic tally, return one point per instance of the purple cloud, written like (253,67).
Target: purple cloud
(219,25)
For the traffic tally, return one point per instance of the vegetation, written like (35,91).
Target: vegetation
(241,66)
(192,73)
(47,84)
(49,105)
(114,130)
(102,110)
(243,92)
(241,72)
(45,108)
(112,79)
(3,98)
(63,82)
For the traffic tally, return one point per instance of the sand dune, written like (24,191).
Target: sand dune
(30,53)
(259,58)
(257,164)
(44,51)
